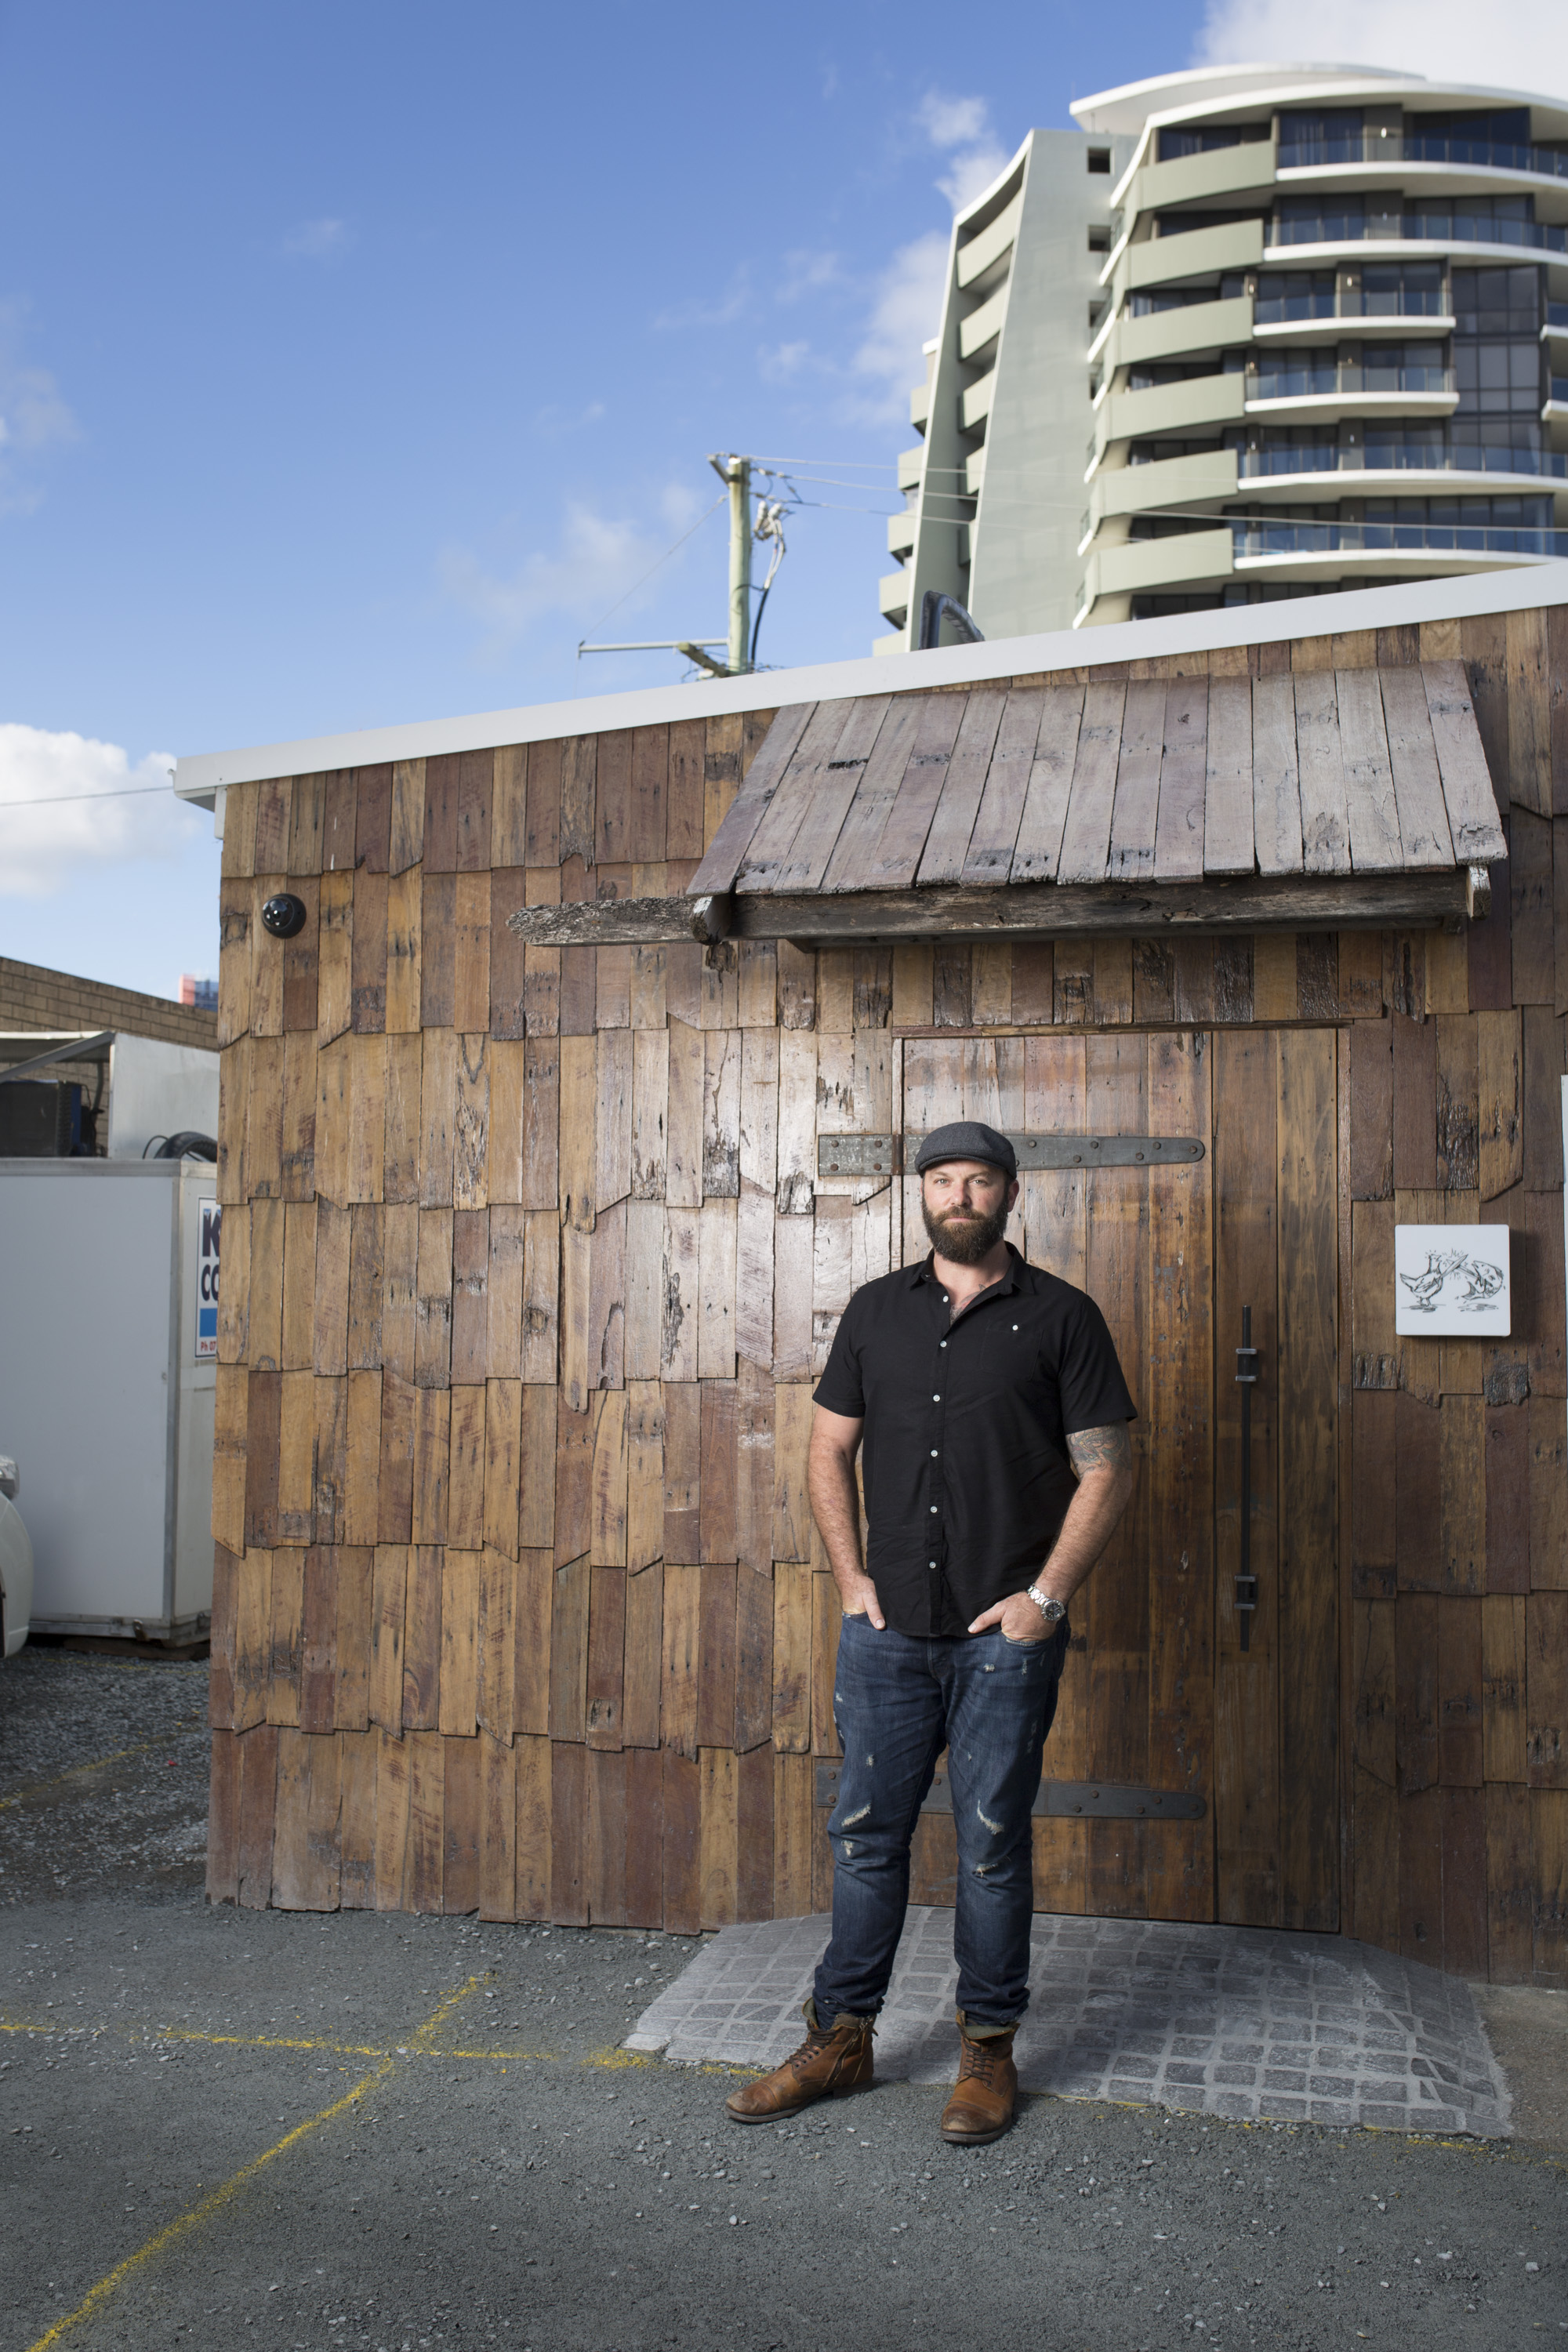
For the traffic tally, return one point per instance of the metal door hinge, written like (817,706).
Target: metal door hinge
(1058,1800)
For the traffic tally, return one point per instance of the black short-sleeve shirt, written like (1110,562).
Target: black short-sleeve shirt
(965,1465)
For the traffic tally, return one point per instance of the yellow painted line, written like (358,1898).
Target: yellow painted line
(217,2198)
(99,1764)
(417,2046)
(182,2033)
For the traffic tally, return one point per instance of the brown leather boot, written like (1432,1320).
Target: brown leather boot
(830,2063)
(981,2107)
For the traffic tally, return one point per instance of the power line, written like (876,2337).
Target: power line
(669,552)
(115,792)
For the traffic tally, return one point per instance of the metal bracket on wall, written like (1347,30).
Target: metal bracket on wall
(889,1155)
(1058,1800)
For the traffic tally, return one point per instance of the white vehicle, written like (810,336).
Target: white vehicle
(15,1567)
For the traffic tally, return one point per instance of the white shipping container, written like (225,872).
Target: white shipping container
(108,1382)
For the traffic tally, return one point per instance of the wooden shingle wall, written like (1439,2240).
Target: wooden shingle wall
(527,1272)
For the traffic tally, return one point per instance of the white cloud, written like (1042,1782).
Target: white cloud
(62,832)
(906,309)
(318,240)
(1522,47)
(598,559)
(699,312)
(782,362)
(905,315)
(34,417)
(960,129)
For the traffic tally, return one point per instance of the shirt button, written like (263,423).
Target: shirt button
(941,1343)
(931,1563)
(933,1510)
(933,1454)
(936,1399)
(1014,1326)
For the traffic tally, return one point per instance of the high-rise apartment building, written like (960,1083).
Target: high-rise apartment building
(1251,333)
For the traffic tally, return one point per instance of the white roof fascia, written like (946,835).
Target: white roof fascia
(1129,106)
(201,776)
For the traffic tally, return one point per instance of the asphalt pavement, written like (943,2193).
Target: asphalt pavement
(265,2130)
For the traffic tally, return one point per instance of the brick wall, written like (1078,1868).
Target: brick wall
(33,997)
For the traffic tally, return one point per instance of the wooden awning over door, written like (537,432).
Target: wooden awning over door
(1309,797)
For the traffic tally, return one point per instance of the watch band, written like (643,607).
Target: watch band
(1053,1611)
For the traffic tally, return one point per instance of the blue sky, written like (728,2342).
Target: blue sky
(355,360)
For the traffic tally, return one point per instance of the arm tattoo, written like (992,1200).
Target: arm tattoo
(1110,1448)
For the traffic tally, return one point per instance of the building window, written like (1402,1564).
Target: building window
(1099,158)
(1099,237)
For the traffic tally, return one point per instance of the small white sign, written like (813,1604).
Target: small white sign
(208,1249)
(1451,1281)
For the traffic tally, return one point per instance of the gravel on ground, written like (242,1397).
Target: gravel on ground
(395,2134)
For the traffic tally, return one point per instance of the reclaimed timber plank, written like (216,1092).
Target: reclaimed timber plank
(388,1616)
(643,1879)
(1085,830)
(727,851)
(1531,910)
(988,858)
(1370,804)
(643,1675)
(1134,810)
(1415,1056)
(1308,1507)
(1424,832)
(1228,841)
(682,1832)
(1500,1084)
(422,1638)
(1324,815)
(895,858)
(833,787)
(532,1645)
(1177,1405)
(461,1826)
(963,782)
(1184,770)
(1247,1247)
(1276,814)
(1468,793)
(853,853)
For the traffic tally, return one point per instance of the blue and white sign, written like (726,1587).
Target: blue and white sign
(1450,1281)
(207,1255)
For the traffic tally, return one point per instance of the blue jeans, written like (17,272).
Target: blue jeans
(897,1700)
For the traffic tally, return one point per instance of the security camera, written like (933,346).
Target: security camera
(283,916)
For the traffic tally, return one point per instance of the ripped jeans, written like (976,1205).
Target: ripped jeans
(897,1700)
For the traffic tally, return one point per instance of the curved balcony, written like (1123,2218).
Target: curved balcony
(1379,465)
(1332,232)
(1303,392)
(1385,546)
(1349,326)
(1360,148)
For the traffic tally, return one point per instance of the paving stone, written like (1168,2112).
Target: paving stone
(1233,2022)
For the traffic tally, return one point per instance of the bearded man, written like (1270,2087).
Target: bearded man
(994,1417)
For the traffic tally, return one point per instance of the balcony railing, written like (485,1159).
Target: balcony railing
(1426,229)
(1419,303)
(1254,464)
(1410,147)
(1255,539)
(1317,382)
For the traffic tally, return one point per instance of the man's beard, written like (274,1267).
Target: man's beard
(964,1241)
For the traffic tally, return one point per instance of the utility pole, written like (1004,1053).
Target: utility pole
(737,473)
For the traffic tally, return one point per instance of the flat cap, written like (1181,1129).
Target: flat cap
(966,1138)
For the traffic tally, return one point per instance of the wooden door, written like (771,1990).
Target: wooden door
(1157,1693)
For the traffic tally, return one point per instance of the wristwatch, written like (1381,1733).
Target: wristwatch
(1053,1611)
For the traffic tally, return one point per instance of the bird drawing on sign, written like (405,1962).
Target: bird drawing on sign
(1477,1282)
